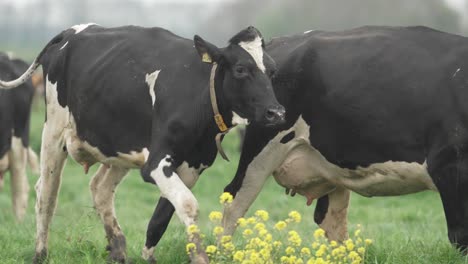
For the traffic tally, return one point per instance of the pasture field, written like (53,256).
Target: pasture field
(406,229)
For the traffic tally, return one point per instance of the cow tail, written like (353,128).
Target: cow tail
(30,71)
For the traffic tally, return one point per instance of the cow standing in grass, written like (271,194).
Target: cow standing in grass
(15,153)
(379,111)
(130,96)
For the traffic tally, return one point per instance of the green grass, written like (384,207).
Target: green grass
(405,229)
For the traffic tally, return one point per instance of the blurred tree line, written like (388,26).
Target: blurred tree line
(25,28)
(279,17)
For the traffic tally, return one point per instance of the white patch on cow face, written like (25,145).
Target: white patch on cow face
(81,27)
(455,74)
(254,48)
(237,120)
(151,81)
(64,45)
(174,189)
(308,31)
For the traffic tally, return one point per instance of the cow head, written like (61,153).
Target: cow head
(245,70)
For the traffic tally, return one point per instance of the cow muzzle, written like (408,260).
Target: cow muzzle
(275,115)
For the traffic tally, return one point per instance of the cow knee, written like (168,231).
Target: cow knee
(145,172)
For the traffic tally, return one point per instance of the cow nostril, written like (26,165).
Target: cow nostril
(270,114)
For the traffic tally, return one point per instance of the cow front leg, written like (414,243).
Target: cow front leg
(47,187)
(451,179)
(103,188)
(163,213)
(179,195)
(331,214)
(19,179)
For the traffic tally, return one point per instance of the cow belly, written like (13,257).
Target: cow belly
(87,155)
(308,173)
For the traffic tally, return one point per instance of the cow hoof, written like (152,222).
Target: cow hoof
(117,249)
(40,257)
(151,260)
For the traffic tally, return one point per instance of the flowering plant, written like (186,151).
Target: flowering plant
(280,243)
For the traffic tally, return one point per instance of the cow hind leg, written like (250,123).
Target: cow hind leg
(19,179)
(451,179)
(331,214)
(52,162)
(103,186)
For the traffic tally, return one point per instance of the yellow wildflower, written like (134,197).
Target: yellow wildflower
(319,233)
(259,226)
(251,220)
(294,238)
(229,246)
(193,229)
(215,216)
(349,245)
(319,261)
(296,216)
(225,198)
(315,245)
(242,222)
(290,250)
(225,239)
(247,232)
(333,243)
(211,249)
(277,244)
(218,230)
(262,214)
(263,232)
(280,225)
(190,247)
(238,255)
(368,241)
(305,251)
(284,259)
(357,232)
(361,250)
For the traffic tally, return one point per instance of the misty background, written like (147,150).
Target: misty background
(27,25)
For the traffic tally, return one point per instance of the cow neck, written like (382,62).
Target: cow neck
(218,118)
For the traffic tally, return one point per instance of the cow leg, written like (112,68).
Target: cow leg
(52,162)
(451,179)
(19,179)
(331,214)
(103,188)
(4,165)
(157,226)
(162,216)
(173,189)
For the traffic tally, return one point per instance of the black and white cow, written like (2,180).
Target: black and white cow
(130,96)
(380,111)
(15,153)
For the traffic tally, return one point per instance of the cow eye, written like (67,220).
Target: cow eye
(240,71)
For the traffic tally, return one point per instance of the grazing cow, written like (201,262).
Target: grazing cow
(380,111)
(130,96)
(15,154)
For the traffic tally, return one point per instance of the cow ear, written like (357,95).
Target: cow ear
(208,52)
